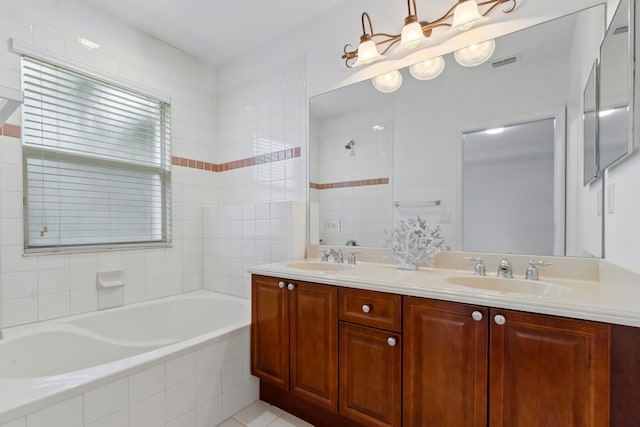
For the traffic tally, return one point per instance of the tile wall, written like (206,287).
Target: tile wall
(36,288)
(239,236)
(266,114)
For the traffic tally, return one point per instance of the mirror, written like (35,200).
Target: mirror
(590,127)
(614,112)
(533,75)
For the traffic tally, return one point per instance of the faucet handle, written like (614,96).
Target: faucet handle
(352,258)
(532,270)
(324,255)
(480,268)
(339,258)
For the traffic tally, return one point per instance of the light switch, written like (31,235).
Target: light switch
(611,198)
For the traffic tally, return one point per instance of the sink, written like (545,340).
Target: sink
(318,266)
(497,284)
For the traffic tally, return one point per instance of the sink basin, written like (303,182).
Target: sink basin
(318,266)
(498,284)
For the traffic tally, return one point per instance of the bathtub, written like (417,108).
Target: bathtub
(113,363)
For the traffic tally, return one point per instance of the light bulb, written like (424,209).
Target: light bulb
(475,54)
(429,69)
(388,82)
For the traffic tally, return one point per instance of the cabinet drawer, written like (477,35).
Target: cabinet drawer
(376,309)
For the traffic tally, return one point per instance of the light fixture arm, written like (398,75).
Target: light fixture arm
(389,40)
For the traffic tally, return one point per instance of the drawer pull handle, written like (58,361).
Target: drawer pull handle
(499,319)
(366,308)
(291,286)
(281,285)
(391,341)
(477,316)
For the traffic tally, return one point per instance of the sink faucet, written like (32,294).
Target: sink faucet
(504,268)
(337,256)
(532,270)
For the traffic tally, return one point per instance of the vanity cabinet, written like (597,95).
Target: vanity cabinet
(445,364)
(294,338)
(370,357)
(539,370)
(350,357)
(547,371)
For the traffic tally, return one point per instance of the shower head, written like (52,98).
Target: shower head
(350,145)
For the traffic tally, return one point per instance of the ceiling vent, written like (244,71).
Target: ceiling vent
(503,62)
(621,30)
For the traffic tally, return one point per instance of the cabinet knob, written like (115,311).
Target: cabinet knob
(477,316)
(366,308)
(499,319)
(291,286)
(391,341)
(281,285)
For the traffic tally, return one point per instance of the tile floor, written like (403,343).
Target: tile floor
(261,414)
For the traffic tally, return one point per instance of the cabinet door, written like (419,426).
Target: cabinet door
(270,331)
(548,371)
(370,375)
(445,364)
(314,344)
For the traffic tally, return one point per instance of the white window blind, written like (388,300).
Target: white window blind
(97,162)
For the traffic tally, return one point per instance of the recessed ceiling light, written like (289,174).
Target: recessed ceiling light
(494,131)
(90,44)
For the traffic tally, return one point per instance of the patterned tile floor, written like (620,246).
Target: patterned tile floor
(261,414)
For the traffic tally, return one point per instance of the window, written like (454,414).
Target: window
(97,162)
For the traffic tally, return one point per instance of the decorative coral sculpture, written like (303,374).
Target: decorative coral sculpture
(413,240)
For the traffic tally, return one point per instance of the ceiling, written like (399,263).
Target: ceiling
(215,30)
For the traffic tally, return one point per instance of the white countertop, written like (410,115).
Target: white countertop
(612,297)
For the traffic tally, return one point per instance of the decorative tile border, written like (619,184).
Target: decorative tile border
(12,131)
(358,183)
(276,156)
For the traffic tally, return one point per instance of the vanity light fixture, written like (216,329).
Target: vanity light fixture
(463,15)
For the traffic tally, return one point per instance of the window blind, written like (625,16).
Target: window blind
(97,162)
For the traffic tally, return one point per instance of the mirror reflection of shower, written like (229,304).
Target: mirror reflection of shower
(350,147)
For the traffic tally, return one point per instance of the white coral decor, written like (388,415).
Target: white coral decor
(413,240)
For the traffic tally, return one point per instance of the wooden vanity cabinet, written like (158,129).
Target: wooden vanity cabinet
(346,357)
(294,338)
(445,364)
(370,357)
(538,370)
(547,371)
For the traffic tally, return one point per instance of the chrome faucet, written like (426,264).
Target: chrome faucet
(337,256)
(504,268)
(532,270)
(479,269)
(352,258)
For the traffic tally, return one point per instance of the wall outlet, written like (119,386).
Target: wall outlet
(332,226)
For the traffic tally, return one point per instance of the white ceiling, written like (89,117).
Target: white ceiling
(215,30)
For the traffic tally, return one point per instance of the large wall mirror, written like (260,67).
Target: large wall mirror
(375,157)
(615,117)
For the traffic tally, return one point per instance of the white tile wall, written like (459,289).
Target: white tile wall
(237,237)
(260,116)
(187,391)
(37,288)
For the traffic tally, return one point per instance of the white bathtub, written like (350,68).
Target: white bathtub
(55,362)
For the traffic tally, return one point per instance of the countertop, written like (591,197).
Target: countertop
(611,295)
